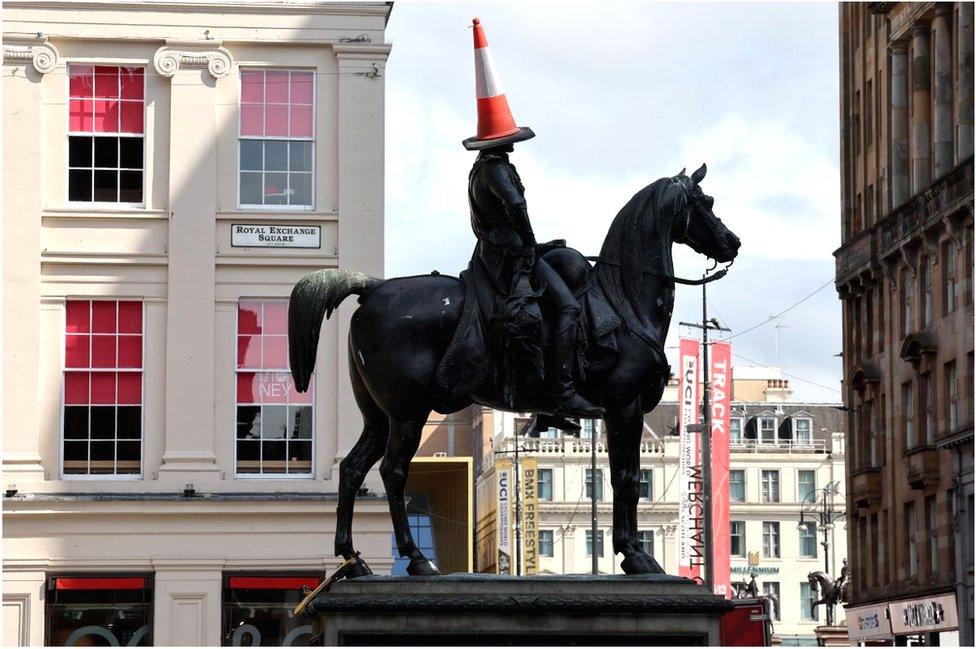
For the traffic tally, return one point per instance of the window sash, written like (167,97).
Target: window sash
(544,484)
(737,485)
(803,430)
(771,540)
(767,430)
(545,543)
(806,485)
(599,543)
(808,541)
(770,486)
(645,487)
(737,541)
(598,484)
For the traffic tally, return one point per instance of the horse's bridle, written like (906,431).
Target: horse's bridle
(683,236)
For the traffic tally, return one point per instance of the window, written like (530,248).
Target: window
(544,484)
(105,134)
(735,430)
(550,433)
(646,540)
(587,428)
(277,138)
(737,545)
(419,520)
(806,485)
(926,271)
(952,392)
(872,434)
(949,277)
(767,430)
(928,400)
(545,543)
(770,486)
(808,540)
(771,539)
(646,486)
(257,610)
(803,430)
(275,423)
(110,610)
(599,484)
(737,485)
(932,536)
(599,543)
(873,576)
(102,418)
(771,590)
(912,538)
(808,595)
(908,414)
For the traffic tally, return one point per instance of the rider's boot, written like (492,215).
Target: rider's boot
(569,403)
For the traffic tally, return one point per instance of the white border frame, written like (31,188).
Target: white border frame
(267,476)
(142,405)
(68,133)
(248,207)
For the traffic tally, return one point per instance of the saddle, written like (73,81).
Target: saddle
(473,361)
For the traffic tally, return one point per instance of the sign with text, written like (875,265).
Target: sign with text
(691,550)
(530,515)
(275,236)
(936,613)
(720,385)
(868,623)
(503,517)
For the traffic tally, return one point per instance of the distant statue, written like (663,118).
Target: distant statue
(439,343)
(831,592)
(750,590)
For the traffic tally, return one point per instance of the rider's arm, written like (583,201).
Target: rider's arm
(503,186)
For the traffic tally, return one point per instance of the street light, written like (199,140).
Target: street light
(823,513)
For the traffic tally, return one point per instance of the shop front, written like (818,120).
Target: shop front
(925,621)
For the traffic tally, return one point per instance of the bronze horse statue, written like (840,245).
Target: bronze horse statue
(832,592)
(403,327)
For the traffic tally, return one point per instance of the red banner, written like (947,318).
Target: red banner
(720,384)
(691,550)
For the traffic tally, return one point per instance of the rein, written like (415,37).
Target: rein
(667,276)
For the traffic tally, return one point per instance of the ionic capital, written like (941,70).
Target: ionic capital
(35,50)
(175,55)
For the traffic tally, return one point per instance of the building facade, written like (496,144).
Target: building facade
(782,456)
(171,169)
(904,274)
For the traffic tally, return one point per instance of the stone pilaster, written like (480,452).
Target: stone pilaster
(921,112)
(942,148)
(964,82)
(194,67)
(900,179)
(25,61)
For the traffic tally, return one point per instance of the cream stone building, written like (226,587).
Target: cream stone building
(783,453)
(170,170)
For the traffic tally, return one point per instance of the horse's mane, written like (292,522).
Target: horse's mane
(622,280)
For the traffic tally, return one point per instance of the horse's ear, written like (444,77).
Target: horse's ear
(699,175)
(682,172)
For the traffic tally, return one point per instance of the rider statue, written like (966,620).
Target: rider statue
(506,249)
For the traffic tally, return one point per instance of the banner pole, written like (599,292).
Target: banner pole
(706,449)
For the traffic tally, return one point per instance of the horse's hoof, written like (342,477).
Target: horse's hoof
(422,567)
(358,569)
(640,564)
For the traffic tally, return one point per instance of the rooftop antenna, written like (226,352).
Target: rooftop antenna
(779,325)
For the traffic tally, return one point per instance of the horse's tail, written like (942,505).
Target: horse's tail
(313,299)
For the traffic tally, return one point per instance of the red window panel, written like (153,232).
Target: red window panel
(106,99)
(107,81)
(252,119)
(104,314)
(249,317)
(130,388)
(77,351)
(275,319)
(76,388)
(302,85)
(103,388)
(100,583)
(130,317)
(247,388)
(274,352)
(276,87)
(131,83)
(130,352)
(81,80)
(252,86)
(301,121)
(77,316)
(273,583)
(103,350)
(81,115)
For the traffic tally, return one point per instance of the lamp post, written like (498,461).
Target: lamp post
(821,511)
(517,487)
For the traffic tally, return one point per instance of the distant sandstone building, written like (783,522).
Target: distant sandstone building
(905,276)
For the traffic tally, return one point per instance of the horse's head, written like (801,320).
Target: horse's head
(697,226)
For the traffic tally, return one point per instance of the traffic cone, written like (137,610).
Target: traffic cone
(496,126)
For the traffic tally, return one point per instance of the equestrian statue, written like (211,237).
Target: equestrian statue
(528,327)
(832,592)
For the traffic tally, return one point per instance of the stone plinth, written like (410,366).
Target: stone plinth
(832,636)
(476,609)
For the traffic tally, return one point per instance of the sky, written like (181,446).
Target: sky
(620,94)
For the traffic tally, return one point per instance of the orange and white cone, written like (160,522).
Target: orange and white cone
(496,126)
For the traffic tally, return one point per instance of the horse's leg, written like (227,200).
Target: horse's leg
(354,467)
(402,445)
(624,427)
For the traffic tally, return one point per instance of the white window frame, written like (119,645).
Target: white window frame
(249,207)
(741,440)
(773,588)
(744,550)
(552,490)
(142,406)
(650,483)
(812,527)
(759,430)
(796,431)
(806,603)
(311,475)
(745,495)
(771,534)
(589,540)
(762,486)
(799,472)
(101,205)
(552,543)
(640,540)
(597,476)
